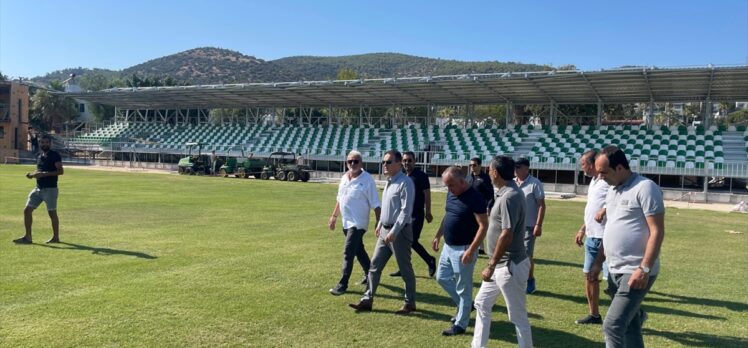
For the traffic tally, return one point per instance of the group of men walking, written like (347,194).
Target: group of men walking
(501,213)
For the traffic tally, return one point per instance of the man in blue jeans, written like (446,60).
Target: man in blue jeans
(463,227)
(633,237)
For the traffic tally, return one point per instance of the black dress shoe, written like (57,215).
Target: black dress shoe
(407,309)
(395,274)
(361,306)
(365,281)
(432,268)
(454,330)
(338,290)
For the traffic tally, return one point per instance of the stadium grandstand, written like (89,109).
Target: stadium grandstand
(155,123)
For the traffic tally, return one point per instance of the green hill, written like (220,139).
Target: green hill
(209,65)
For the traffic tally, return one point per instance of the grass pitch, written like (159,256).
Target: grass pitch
(173,261)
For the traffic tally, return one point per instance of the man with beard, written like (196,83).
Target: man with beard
(48,168)
(357,196)
(633,237)
(421,208)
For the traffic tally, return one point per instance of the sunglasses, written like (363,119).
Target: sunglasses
(352,162)
(387,162)
(407,161)
(473,165)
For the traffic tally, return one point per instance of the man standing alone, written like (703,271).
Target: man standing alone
(463,227)
(48,168)
(357,195)
(633,237)
(394,234)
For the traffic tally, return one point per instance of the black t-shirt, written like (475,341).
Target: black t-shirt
(482,183)
(421,181)
(460,226)
(45,162)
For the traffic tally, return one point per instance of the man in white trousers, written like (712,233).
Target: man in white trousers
(508,266)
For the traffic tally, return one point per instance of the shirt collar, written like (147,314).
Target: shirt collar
(509,185)
(628,181)
(395,177)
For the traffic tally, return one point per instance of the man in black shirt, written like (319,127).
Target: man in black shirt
(421,208)
(463,227)
(48,168)
(481,182)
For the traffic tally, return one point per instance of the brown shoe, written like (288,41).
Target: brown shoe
(407,309)
(361,306)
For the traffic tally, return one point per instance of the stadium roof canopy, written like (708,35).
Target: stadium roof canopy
(630,85)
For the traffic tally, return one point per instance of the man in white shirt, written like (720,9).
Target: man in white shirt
(592,229)
(357,195)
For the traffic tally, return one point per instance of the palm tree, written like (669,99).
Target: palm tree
(52,110)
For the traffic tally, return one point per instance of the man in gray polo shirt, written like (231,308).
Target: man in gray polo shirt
(508,266)
(633,237)
(535,198)
(394,234)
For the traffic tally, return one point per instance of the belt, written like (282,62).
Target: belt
(390,226)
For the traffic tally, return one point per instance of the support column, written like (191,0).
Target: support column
(552,121)
(649,120)
(708,114)
(599,121)
(509,115)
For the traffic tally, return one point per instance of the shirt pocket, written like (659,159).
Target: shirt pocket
(357,191)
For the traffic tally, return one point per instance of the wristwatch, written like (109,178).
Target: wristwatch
(645,269)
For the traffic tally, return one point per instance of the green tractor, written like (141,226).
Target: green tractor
(194,164)
(283,166)
(242,167)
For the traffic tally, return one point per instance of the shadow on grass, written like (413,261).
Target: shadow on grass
(557,263)
(97,250)
(542,337)
(695,339)
(672,298)
(441,301)
(645,305)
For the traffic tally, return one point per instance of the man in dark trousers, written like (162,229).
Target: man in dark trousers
(421,209)
(632,240)
(48,168)
(394,234)
(481,182)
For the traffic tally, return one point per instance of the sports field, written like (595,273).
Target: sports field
(152,260)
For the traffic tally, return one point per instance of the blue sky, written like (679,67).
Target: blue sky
(40,36)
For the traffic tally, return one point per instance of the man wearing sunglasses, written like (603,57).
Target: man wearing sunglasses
(394,232)
(357,195)
(480,181)
(421,208)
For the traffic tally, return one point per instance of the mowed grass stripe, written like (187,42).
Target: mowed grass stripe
(166,260)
